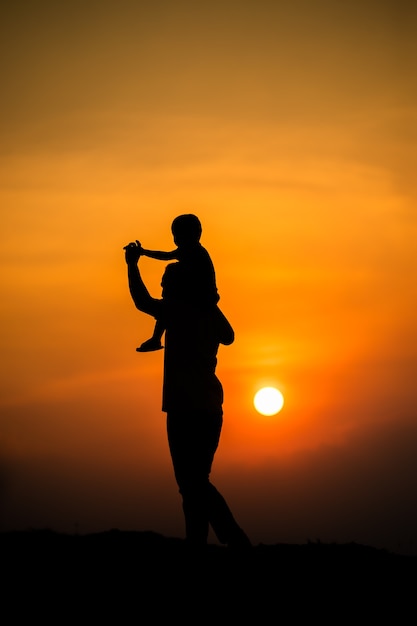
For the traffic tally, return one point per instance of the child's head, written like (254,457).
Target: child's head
(186,230)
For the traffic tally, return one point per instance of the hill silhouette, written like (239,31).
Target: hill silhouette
(147,577)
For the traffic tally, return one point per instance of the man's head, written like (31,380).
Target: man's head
(186,229)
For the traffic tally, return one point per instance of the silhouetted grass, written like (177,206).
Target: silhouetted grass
(146,576)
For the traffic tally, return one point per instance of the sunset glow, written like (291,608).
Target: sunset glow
(290,131)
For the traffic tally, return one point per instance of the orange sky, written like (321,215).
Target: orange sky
(291,133)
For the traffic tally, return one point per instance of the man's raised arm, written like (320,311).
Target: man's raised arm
(140,295)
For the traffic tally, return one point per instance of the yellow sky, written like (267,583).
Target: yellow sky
(290,131)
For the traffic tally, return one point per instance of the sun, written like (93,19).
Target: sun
(268,401)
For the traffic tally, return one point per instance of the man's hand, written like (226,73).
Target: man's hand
(133,251)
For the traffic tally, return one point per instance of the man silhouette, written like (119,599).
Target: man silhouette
(192,399)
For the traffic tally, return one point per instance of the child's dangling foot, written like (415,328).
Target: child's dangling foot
(150,345)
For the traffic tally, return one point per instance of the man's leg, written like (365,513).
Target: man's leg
(193,439)
(226,528)
(192,452)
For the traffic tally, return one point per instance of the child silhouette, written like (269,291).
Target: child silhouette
(191,280)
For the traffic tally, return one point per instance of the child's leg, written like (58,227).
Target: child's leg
(154,343)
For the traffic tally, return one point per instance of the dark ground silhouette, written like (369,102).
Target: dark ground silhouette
(146,577)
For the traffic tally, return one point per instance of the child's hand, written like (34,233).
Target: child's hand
(133,251)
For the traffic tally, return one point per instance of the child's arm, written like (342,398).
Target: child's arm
(160,255)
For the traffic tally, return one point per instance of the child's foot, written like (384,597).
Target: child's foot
(150,345)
